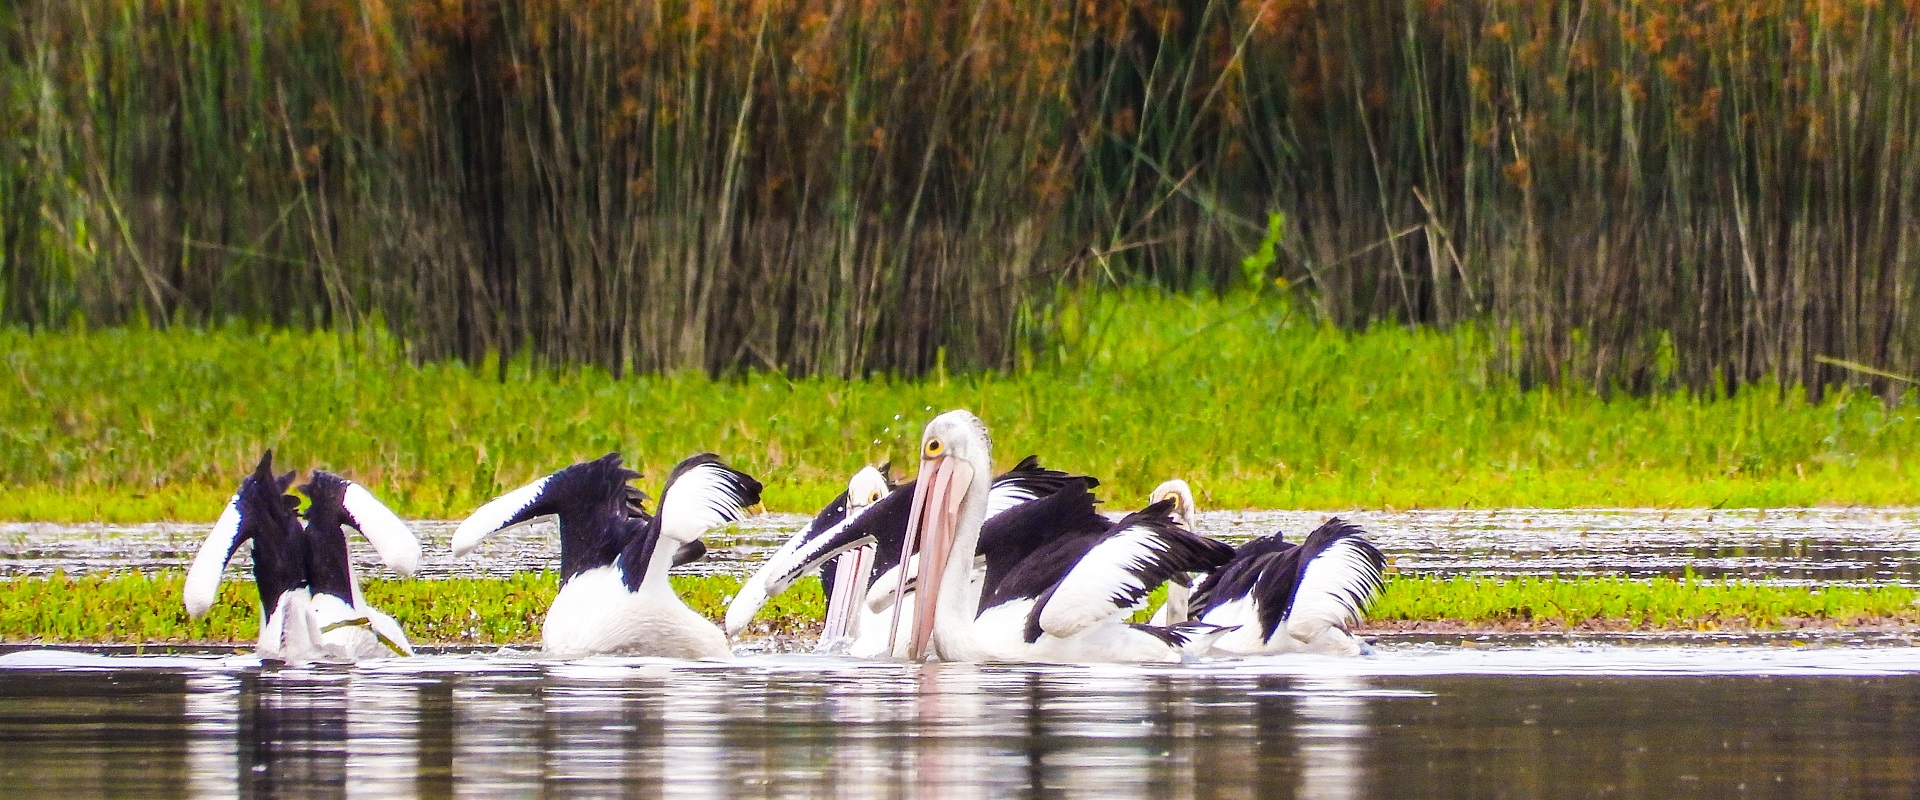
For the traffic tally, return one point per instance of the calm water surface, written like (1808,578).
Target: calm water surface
(1823,545)
(1559,721)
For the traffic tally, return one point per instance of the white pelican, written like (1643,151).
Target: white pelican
(1061,591)
(863,529)
(1174,610)
(1286,598)
(310,602)
(614,594)
(846,583)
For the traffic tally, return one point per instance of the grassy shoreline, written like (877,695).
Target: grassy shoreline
(1248,398)
(135,609)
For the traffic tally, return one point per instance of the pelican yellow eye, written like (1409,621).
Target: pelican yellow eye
(873,498)
(934,447)
(1170,496)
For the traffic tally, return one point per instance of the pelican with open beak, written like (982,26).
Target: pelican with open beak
(1059,591)
(847,527)
(846,583)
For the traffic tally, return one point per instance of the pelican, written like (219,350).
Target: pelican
(1060,591)
(614,594)
(863,529)
(1174,610)
(310,602)
(846,583)
(1286,598)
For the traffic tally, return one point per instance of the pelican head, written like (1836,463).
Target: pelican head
(1182,497)
(866,488)
(949,506)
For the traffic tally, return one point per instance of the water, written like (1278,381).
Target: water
(1795,546)
(1411,722)
(1429,716)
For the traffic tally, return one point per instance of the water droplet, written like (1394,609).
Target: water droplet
(896,418)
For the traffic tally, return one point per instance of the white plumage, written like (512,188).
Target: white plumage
(494,516)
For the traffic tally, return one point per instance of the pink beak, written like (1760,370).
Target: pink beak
(932,527)
(849,589)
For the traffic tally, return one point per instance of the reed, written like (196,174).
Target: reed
(141,609)
(1628,194)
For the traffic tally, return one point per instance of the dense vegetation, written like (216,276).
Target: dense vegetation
(1250,400)
(1635,193)
(146,609)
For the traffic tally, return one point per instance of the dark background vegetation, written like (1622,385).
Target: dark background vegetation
(1632,195)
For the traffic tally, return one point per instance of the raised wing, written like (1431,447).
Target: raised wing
(596,507)
(261,507)
(1029,481)
(701,494)
(399,549)
(1328,581)
(1237,578)
(507,510)
(203,578)
(1117,572)
(338,501)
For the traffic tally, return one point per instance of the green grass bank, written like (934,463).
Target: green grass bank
(135,609)
(1249,398)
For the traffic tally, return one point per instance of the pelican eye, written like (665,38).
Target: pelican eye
(1170,496)
(934,447)
(873,498)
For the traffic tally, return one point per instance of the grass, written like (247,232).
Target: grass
(1246,397)
(502,611)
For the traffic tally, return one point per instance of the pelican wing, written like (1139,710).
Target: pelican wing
(203,578)
(1237,578)
(703,493)
(262,495)
(1028,481)
(596,507)
(1328,581)
(1118,571)
(1030,547)
(507,510)
(399,549)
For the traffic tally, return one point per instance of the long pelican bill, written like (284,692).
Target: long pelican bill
(933,526)
(849,590)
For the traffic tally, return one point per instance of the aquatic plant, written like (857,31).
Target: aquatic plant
(1654,604)
(146,609)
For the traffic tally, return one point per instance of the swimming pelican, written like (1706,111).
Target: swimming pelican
(614,594)
(871,516)
(846,583)
(1316,591)
(310,602)
(1174,610)
(1060,591)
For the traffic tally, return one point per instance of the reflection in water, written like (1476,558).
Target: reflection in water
(212,718)
(1331,730)
(383,737)
(496,719)
(798,727)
